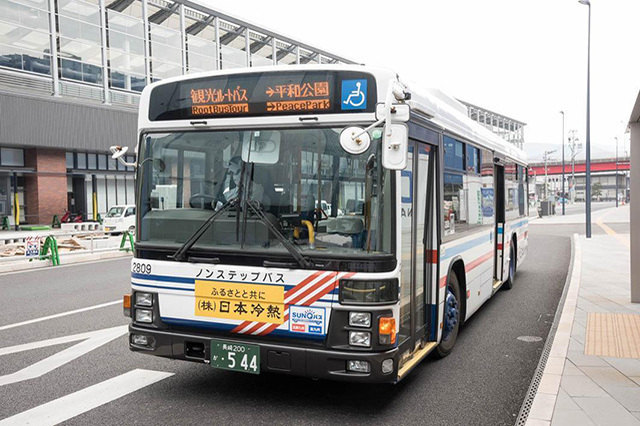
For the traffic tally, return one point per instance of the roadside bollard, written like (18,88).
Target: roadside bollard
(126,235)
(50,244)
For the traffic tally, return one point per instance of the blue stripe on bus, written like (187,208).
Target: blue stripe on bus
(182,280)
(500,230)
(198,324)
(164,287)
(206,325)
(191,290)
(519,224)
(455,250)
(433,334)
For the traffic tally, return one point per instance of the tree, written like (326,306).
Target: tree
(596,190)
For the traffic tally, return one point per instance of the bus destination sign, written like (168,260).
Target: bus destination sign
(255,94)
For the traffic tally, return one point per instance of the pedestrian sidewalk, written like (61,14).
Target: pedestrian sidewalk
(592,373)
(612,215)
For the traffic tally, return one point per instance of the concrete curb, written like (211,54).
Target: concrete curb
(24,265)
(544,402)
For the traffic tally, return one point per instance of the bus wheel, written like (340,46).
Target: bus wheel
(508,285)
(451,317)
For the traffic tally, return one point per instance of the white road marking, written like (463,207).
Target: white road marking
(62,314)
(93,340)
(69,406)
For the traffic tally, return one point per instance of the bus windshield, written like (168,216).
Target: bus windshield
(310,191)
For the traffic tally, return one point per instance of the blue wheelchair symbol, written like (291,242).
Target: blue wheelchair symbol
(354,94)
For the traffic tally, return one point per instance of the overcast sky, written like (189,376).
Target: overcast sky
(524,59)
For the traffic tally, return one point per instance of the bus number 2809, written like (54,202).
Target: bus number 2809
(141,268)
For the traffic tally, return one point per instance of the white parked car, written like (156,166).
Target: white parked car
(120,219)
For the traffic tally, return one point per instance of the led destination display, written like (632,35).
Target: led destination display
(254,94)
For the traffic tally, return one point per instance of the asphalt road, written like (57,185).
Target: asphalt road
(483,382)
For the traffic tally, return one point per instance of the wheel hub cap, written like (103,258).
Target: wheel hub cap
(450,314)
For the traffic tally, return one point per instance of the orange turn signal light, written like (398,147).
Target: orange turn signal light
(387,330)
(126,305)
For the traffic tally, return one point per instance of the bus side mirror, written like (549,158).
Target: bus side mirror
(395,146)
(118,153)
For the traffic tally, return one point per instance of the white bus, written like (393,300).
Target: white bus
(237,263)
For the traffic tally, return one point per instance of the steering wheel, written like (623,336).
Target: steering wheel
(202,201)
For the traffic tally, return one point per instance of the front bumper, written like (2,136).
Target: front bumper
(275,357)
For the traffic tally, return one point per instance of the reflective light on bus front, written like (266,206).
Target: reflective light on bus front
(387,366)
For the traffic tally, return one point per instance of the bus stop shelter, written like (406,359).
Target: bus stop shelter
(634,146)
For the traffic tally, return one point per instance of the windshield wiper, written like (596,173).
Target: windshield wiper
(286,243)
(180,254)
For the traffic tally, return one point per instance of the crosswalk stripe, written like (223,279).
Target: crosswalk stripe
(95,340)
(69,406)
(62,314)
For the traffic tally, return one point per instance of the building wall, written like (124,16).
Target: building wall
(46,190)
(30,121)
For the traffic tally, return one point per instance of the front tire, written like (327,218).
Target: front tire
(508,285)
(451,324)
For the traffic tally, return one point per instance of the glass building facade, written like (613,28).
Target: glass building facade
(98,55)
(113,48)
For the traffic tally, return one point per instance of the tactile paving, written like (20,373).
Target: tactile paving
(615,335)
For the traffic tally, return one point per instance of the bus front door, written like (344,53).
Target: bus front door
(500,222)
(418,311)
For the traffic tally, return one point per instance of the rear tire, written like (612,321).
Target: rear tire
(452,305)
(508,285)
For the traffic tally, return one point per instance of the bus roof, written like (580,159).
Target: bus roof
(443,110)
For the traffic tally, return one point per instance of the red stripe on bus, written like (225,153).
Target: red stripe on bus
(431,256)
(293,301)
(479,261)
(309,302)
(443,281)
(499,246)
(288,293)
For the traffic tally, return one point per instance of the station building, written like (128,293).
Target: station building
(604,173)
(71,72)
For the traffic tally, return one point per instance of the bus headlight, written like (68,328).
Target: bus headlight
(144,315)
(144,299)
(357,292)
(360,338)
(360,319)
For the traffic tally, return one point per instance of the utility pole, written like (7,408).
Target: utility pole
(575,148)
(563,193)
(546,157)
(616,171)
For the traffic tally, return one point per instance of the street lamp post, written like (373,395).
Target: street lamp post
(588,148)
(563,196)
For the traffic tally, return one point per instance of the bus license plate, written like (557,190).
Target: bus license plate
(235,356)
